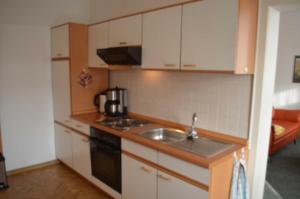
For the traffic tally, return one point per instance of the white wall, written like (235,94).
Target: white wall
(263,90)
(44,12)
(25,76)
(287,93)
(222,102)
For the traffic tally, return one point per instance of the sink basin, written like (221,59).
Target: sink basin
(176,138)
(167,135)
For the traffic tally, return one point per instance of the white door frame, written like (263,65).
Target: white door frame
(263,90)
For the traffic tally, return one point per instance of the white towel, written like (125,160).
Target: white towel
(239,183)
(234,180)
(243,188)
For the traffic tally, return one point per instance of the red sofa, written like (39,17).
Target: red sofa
(290,121)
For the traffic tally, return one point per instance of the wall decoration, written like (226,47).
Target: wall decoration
(296,75)
(85,78)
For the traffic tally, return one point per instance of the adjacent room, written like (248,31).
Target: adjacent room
(284,152)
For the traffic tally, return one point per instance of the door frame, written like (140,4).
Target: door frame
(263,90)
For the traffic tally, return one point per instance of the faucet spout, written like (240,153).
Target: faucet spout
(191,132)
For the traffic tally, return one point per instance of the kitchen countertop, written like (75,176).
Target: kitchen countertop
(132,134)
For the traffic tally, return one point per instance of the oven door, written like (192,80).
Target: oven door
(106,163)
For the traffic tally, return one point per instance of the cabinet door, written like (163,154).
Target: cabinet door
(126,31)
(61,90)
(98,38)
(60,41)
(138,180)
(171,187)
(209,35)
(161,38)
(81,155)
(63,145)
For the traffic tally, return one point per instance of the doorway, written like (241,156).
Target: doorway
(264,81)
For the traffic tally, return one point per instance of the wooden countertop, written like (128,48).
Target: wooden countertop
(90,119)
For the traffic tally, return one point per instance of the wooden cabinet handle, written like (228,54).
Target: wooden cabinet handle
(164,177)
(58,54)
(170,65)
(79,126)
(85,140)
(146,169)
(66,131)
(189,65)
(123,43)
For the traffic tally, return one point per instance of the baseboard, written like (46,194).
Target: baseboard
(33,167)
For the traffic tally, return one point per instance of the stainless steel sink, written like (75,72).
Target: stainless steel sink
(167,135)
(176,138)
(203,146)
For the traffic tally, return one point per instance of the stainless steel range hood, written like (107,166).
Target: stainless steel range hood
(127,55)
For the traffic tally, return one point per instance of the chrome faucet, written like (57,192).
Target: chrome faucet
(191,132)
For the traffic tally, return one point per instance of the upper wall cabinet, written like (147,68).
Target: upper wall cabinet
(209,31)
(73,95)
(219,35)
(61,90)
(98,38)
(126,31)
(161,38)
(60,41)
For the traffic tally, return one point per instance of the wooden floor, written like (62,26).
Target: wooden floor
(53,182)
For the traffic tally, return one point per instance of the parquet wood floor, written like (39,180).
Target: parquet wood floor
(53,182)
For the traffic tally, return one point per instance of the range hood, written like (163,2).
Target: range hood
(126,55)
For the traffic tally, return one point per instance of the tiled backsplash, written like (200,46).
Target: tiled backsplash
(221,101)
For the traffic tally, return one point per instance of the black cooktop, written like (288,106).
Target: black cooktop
(122,123)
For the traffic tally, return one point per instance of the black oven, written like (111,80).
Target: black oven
(105,151)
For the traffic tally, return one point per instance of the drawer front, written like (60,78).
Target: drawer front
(139,150)
(79,126)
(66,121)
(187,169)
(74,124)
(171,187)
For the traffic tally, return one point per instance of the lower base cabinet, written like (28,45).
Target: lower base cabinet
(63,145)
(81,155)
(73,149)
(142,181)
(171,187)
(138,180)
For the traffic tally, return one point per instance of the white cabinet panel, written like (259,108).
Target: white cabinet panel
(190,170)
(126,31)
(209,30)
(98,38)
(138,180)
(79,126)
(161,39)
(171,187)
(59,141)
(63,145)
(60,41)
(81,155)
(61,91)
(139,150)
